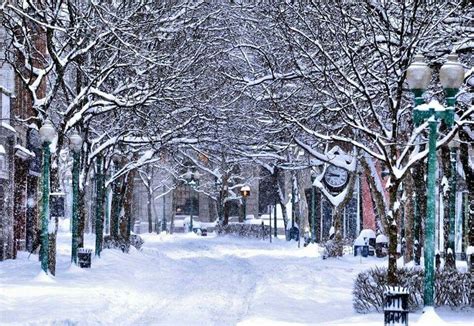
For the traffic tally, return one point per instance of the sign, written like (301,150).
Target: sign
(57,205)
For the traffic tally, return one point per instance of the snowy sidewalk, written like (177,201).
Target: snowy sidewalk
(190,280)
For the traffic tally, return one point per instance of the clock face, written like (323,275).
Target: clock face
(335,177)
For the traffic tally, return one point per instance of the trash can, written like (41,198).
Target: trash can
(294,233)
(84,257)
(395,305)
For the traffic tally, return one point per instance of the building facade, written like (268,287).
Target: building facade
(7,143)
(20,158)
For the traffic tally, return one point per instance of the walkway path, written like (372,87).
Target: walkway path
(187,280)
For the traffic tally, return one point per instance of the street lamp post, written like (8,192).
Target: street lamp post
(192,179)
(47,134)
(418,78)
(245,192)
(75,143)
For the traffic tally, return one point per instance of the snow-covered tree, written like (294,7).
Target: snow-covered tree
(342,75)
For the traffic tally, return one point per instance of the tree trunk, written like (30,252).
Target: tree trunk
(465,149)
(127,207)
(212,210)
(338,245)
(446,190)
(409,216)
(149,187)
(53,221)
(99,209)
(377,195)
(303,222)
(224,202)
(392,217)
(115,210)
(148,208)
(280,195)
(82,218)
(173,211)
(226,212)
(118,194)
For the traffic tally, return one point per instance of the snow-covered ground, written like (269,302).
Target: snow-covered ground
(184,279)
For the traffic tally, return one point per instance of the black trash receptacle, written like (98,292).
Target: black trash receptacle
(84,257)
(294,233)
(395,306)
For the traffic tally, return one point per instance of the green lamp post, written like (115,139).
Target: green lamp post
(47,134)
(418,77)
(75,143)
(245,192)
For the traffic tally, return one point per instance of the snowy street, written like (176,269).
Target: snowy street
(191,131)
(190,280)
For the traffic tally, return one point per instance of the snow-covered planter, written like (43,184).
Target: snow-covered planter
(244,230)
(452,288)
(135,241)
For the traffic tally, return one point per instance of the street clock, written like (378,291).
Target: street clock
(335,177)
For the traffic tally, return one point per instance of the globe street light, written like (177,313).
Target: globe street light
(47,135)
(245,192)
(418,77)
(75,144)
(451,76)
